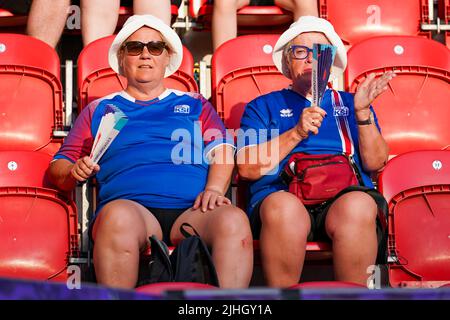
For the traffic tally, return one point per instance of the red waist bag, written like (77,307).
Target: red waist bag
(317,178)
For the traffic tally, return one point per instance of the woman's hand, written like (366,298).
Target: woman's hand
(209,199)
(310,121)
(368,90)
(84,168)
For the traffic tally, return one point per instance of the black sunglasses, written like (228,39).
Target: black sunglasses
(135,48)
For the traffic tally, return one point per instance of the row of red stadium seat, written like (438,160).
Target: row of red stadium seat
(354,20)
(39,226)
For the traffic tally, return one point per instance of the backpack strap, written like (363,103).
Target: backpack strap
(187,234)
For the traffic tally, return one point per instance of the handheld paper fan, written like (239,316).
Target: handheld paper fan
(113,120)
(323,58)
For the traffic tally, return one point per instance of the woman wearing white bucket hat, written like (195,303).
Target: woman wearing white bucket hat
(170,163)
(343,124)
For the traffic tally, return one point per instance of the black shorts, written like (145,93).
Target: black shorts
(318,214)
(262,2)
(166,219)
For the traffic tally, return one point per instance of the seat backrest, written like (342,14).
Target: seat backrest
(30,93)
(24,169)
(38,229)
(96,79)
(38,233)
(355,20)
(242,69)
(417,188)
(413,112)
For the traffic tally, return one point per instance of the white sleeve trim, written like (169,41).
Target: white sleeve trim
(208,155)
(244,147)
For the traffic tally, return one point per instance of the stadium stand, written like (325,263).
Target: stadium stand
(38,229)
(31,94)
(356,20)
(96,79)
(250,18)
(413,112)
(416,186)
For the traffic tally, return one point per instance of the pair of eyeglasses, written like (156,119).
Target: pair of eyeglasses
(135,48)
(300,52)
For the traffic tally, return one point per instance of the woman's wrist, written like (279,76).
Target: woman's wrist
(214,189)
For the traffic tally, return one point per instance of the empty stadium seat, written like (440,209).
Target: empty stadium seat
(241,70)
(413,113)
(31,105)
(416,186)
(239,78)
(261,19)
(356,20)
(96,79)
(38,225)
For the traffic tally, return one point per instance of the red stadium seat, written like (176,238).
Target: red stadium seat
(261,19)
(444,15)
(416,186)
(242,69)
(96,79)
(38,225)
(161,287)
(239,78)
(30,94)
(327,285)
(356,20)
(413,113)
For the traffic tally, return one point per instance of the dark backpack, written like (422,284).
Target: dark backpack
(190,261)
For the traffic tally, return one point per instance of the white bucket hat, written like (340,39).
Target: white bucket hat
(310,24)
(136,22)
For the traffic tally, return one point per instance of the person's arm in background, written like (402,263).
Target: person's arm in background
(373,148)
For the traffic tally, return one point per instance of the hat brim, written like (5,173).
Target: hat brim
(136,22)
(310,24)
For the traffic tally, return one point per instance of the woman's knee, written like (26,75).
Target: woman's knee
(353,210)
(119,219)
(231,222)
(284,210)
